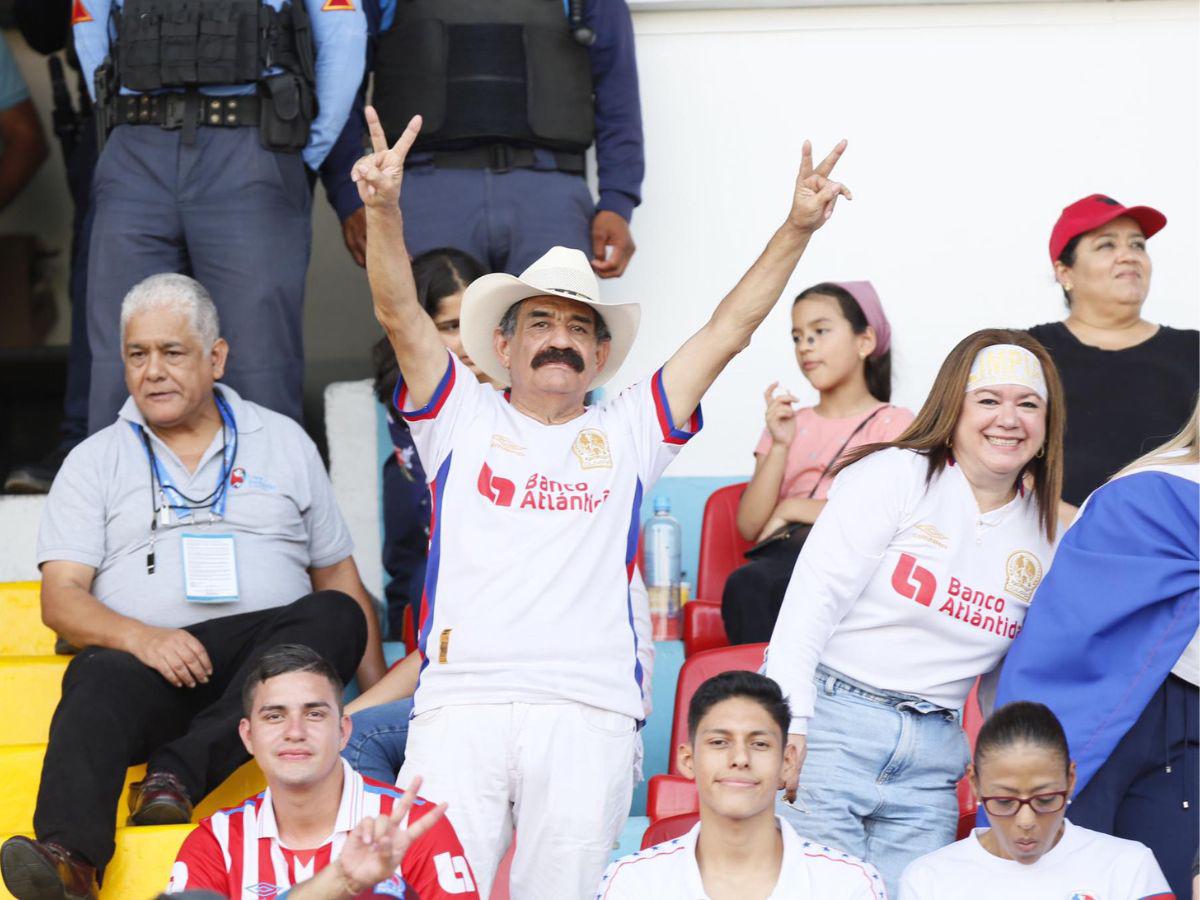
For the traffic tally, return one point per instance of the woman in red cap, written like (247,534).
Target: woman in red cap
(1129,382)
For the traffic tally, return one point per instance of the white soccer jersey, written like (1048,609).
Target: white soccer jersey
(906,587)
(1085,865)
(533,536)
(810,871)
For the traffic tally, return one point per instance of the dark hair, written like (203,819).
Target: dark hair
(1021,722)
(438,274)
(1067,258)
(876,369)
(283,659)
(932,430)
(738,683)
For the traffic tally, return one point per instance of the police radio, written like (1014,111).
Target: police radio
(583,35)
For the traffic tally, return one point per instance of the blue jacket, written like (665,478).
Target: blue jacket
(339,36)
(1114,613)
(620,163)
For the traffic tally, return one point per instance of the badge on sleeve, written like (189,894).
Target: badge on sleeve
(338,6)
(209,568)
(79,13)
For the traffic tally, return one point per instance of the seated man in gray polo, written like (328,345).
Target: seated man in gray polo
(176,545)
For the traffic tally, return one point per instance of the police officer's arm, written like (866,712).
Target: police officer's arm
(70,609)
(419,351)
(89,25)
(24,145)
(695,365)
(340,35)
(343,576)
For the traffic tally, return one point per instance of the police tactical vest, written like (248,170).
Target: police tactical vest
(481,71)
(191,43)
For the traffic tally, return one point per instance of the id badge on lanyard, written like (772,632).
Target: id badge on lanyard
(209,568)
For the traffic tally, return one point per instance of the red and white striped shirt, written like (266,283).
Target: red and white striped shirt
(237,852)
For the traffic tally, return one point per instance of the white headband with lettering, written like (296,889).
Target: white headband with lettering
(1007,364)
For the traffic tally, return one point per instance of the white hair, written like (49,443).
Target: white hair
(177,293)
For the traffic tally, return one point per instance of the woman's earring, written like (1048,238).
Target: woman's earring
(980,805)
(1068,287)
(949,443)
(1041,451)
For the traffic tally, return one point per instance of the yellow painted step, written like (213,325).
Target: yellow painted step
(23,633)
(29,690)
(20,772)
(141,867)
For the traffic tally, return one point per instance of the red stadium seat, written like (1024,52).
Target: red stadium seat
(972,720)
(671,795)
(721,547)
(703,628)
(669,829)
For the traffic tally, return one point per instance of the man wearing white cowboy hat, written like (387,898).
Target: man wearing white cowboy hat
(528,701)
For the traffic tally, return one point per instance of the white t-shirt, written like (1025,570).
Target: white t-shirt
(904,587)
(669,871)
(1084,865)
(532,541)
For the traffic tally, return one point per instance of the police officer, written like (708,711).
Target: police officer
(513,92)
(214,114)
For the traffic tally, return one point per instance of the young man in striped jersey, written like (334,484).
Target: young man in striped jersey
(320,831)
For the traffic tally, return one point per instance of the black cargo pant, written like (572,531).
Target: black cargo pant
(116,712)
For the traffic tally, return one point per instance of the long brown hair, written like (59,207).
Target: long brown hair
(932,430)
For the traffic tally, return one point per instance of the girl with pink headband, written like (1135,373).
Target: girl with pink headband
(842,342)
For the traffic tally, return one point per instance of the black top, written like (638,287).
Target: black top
(1120,403)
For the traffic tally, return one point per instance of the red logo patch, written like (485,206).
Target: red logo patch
(499,490)
(911,581)
(237,476)
(79,13)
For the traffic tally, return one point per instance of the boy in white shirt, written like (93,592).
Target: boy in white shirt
(738,755)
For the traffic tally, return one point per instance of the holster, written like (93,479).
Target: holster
(287,109)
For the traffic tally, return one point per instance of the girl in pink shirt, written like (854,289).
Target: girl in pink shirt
(843,346)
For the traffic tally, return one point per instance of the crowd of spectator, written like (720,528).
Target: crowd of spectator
(1032,530)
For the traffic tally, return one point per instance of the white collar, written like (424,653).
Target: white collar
(348,814)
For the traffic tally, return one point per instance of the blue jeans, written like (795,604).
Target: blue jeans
(376,746)
(880,776)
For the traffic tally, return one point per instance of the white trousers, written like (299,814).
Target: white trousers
(561,773)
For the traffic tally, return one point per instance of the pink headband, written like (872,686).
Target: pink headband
(868,301)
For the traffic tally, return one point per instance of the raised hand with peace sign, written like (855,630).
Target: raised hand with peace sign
(378,175)
(816,195)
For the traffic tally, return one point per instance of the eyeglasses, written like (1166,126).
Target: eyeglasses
(1004,807)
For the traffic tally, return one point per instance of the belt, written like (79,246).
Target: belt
(172,110)
(501,158)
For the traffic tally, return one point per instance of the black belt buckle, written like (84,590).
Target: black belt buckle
(500,158)
(173,110)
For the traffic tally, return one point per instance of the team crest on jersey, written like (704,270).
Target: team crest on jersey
(393,887)
(1022,575)
(931,535)
(591,447)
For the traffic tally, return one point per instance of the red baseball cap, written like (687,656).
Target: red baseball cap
(1092,212)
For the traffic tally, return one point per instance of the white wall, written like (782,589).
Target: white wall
(970,127)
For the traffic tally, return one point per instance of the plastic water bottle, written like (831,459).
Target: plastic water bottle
(660,540)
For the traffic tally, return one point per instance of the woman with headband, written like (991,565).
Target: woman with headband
(843,347)
(914,581)
(1129,382)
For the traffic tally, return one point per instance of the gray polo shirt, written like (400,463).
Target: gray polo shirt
(280,510)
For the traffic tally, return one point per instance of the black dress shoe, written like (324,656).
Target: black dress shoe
(159,799)
(41,870)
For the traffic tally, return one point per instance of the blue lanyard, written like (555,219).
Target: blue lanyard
(175,498)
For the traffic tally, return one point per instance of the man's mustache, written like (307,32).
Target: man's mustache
(558,355)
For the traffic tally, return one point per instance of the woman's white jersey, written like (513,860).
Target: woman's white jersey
(905,586)
(809,871)
(1084,865)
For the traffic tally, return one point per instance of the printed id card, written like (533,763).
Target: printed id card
(209,568)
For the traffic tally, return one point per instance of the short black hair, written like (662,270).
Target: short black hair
(739,683)
(1022,722)
(284,658)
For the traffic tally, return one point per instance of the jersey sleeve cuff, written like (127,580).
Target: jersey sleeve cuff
(436,402)
(666,421)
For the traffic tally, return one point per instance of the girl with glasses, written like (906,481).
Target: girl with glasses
(1023,777)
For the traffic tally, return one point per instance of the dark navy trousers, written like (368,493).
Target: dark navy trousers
(1147,790)
(506,220)
(234,216)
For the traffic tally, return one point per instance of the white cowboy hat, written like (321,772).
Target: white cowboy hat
(560,273)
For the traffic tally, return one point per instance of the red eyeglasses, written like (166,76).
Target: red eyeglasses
(1004,807)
